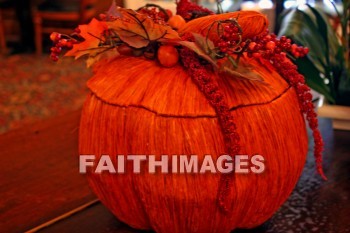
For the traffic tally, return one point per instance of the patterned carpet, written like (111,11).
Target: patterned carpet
(34,88)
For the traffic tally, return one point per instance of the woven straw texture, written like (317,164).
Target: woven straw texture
(137,107)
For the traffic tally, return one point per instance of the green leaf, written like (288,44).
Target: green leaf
(313,78)
(299,26)
(330,37)
(310,27)
(323,29)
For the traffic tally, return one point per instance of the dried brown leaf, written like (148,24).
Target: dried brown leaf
(138,30)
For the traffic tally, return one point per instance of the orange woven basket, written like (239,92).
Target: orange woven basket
(138,107)
(196,83)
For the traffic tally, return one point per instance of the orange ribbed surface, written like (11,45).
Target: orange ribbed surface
(139,107)
(174,118)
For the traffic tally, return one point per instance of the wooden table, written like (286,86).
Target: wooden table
(41,188)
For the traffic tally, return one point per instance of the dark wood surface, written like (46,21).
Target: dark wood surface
(40,182)
(39,177)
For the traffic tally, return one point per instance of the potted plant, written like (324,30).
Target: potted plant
(327,66)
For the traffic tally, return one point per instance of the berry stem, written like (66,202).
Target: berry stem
(212,92)
(290,73)
(272,49)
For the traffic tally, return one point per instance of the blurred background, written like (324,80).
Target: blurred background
(33,88)
(40,181)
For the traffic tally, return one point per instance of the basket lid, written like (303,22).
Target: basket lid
(138,82)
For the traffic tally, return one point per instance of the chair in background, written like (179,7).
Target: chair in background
(16,24)
(61,12)
(3,47)
(4,5)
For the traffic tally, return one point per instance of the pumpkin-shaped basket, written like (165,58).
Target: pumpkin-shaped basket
(139,107)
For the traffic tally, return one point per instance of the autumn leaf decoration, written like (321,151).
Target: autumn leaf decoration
(135,33)
(92,34)
(138,30)
(125,27)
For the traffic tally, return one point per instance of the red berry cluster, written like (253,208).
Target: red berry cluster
(155,14)
(267,45)
(189,10)
(299,51)
(290,73)
(230,37)
(211,90)
(61,42)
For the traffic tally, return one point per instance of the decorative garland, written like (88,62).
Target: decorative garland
(151,32)
(212,92)
(272,49)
